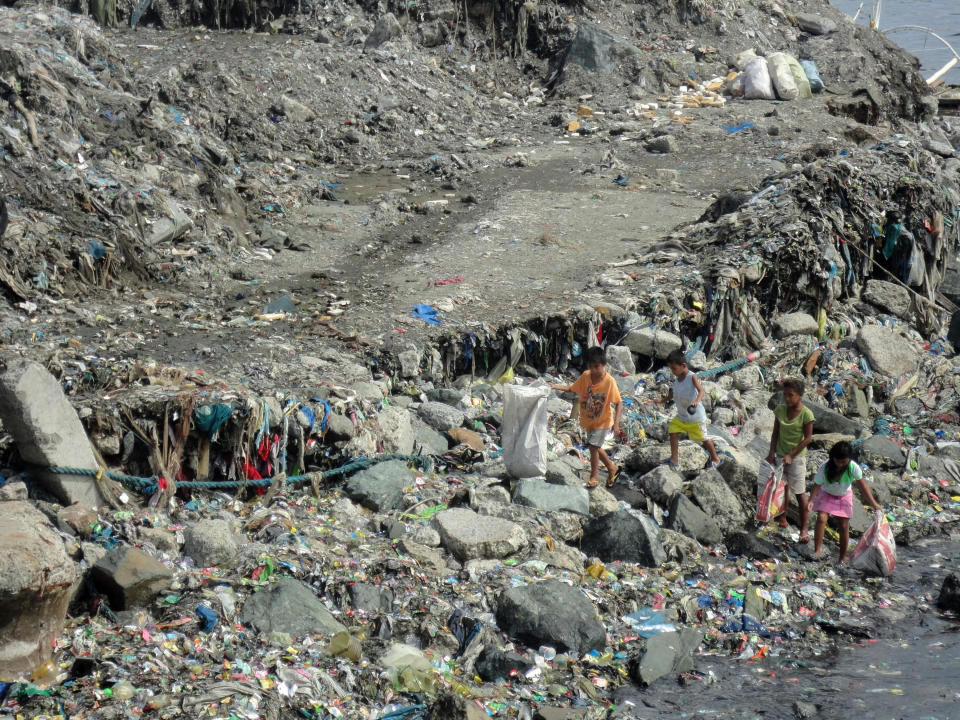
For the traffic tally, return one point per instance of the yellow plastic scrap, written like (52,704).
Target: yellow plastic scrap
(507,376)
(573,126)
(585,111)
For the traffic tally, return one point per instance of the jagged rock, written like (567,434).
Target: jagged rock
(663,144)
(340,427)
(13,490)
(888,352)
(624,536)
(36,582)
(426,440)
(804,710)
(429,560)
(816,24)
(493,664)
(130,578)
(409,359)
(210,543)
(687,518)
(647,457)
(749,545)
(740,469)
(77,519)
(620,360)
(294,111)
(949,598)
(386,29)
(668,652)
(596,49)
(888,296)
(469,536)
(370,598)
(939,148)
(797,324)
(551,613)
(652,342)
(47,430)
(381,486)
(488,494)
(161,539)
(288,606)
(663,484)
(397,428)
(440,416)
(426,535)
(538,493)
(560,473)
(711,492)
(880,451)
(602,502)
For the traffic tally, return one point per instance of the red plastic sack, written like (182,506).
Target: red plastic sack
(876,553)
(773,494)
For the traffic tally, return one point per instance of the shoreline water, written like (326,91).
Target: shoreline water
(941,16)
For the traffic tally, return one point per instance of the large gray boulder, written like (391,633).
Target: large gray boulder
(620,360)
(36,582)
(625,536)
(386,29)
(668,652)
(440,416)
(47,431)
(289,606)
(882,452)
(687,518)
(426,440)
(470,536)
(130,578)
(596,49)
(538,493)
(210,543)
(816,24)
(888,352)
(561,473)
(381,486)
(662,484)
(645,458)
(711,492)
(397,428)
(551,613)
(652,342)
(888,296)
(796,324)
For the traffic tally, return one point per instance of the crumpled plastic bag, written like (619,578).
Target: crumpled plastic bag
(773,492)
(756,81)
(782,77)
(524,430)
(876,553)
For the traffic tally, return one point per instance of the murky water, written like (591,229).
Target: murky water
(941,16)
(909,672)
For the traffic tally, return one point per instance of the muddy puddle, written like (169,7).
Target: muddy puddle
(909,671)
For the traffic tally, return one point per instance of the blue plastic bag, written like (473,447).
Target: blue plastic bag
(649,622)
(813,75)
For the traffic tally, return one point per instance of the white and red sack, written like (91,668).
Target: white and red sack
(773,492)
(876,553)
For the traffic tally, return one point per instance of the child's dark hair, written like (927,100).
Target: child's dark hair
(794,384)
(676,358)
(841,451)
(595,354)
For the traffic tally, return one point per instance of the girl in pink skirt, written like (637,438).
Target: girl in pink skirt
(833,495)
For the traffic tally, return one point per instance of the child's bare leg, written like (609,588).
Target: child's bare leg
(594,464)
(607,462)
(844,538)
(818,532)
(804,514)
(708,444)
(675,448)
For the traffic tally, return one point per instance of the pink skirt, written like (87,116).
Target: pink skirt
(836,505)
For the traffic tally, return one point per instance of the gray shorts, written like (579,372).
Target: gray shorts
(596,438)
(796,474)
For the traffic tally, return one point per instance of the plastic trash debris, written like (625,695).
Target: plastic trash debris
(524,429)
(876,553)
(409,669)
(757,84)
(207,617)
(813,75)
(649,622)
(782,76)
(427,313)
(773,492)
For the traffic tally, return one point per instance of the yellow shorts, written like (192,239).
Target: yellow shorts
(695,431)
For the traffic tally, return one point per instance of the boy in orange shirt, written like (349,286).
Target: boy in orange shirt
(599,396)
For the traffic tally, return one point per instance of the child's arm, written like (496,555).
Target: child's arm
(616,418)
(562,388)
(774,436)
(865,489)
(813,494)
(699,387)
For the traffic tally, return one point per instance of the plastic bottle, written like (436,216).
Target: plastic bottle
(124,690)
(343,644)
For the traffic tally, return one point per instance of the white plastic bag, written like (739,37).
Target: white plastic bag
(756,81)
(782,76)
(524,430)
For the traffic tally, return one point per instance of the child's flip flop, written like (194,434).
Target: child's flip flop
(592,483)
(670,464)
(612,479)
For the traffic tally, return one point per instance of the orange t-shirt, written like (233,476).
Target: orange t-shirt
(596,400)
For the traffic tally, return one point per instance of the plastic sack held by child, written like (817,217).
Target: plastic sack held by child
(876,553)
(773,492)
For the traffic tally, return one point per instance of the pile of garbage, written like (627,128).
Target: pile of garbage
(445,586)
